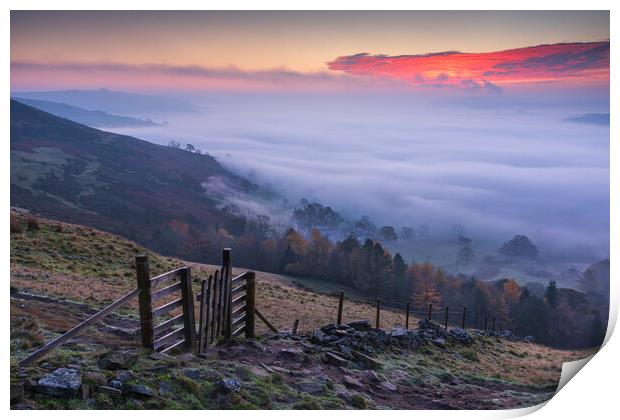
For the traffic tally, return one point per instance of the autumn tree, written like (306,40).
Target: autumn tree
(388,234)
(424,290)
(519,246)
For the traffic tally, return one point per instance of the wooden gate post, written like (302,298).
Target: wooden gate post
(378,313)
(188,309)
(407,316)
(145,304)
(227,295)
(430,311)
(340,305)
(446,320)
(464,316)
(250,304)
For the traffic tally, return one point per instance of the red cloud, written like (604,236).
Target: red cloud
(576,61)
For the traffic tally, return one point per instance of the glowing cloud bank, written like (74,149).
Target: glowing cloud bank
(579,62)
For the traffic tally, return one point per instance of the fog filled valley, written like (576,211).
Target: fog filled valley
(483,166)
(460,199)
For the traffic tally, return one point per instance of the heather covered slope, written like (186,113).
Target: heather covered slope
(145,192)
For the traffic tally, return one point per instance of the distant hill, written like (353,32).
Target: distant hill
(113,102)
(84,116)
(148,193)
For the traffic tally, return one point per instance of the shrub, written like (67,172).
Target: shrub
(358,401)
(32,223)
(16,224)
(470,355)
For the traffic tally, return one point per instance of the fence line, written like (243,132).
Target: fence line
(462,318)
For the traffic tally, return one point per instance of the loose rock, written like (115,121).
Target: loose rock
(334,359)
(227,386)
(62,382)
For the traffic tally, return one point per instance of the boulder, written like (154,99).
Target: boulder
(361,325)
(366,361)
(345,350)
(62,382)
(351,382)
(371,377)
(461,335)
(399,332)
(116,384)
(124,376)
(330,339)
(194,373)
(227,386)
(439,342)
(96,378)
(329,327)
(334,359)
(317,337)
(117,359)
(139,391)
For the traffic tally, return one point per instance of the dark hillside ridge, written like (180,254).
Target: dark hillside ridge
(84,116)
(149,193)
(113,101)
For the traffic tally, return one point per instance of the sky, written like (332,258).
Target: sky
(498,121)
(304,50)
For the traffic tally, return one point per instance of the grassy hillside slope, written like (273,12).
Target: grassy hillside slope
(90,268)
(86,265)
(149,193)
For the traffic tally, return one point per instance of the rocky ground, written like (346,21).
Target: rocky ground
(334,367)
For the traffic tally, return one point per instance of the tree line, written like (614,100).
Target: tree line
(554,316)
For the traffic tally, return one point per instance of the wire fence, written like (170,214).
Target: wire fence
(461,317)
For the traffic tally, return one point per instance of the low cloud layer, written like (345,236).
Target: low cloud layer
(499,169)
(577,61)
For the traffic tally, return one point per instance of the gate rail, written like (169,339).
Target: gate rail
(167,335)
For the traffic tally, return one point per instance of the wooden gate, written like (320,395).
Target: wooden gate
(167,335)
(227,305)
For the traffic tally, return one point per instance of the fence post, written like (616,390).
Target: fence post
(227,295)
(250,304)
(464,316)
(145,304)
(188,309)
(202,316)
(340,304)
(446,320)
(378,313)
(407,316)
(295,325)
(493,327)
(430,311)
